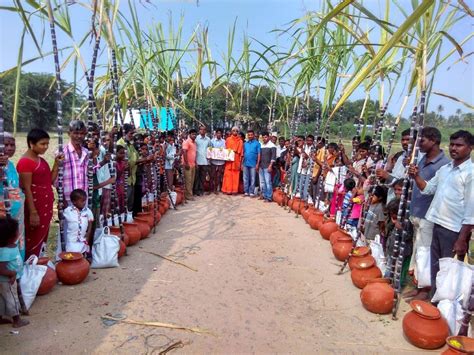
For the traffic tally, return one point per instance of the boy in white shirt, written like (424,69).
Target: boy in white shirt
(78,223)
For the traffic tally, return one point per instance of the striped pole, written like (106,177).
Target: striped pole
(3,169)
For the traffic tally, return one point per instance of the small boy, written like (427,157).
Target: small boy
(78,223)
(11,269)
(375,219)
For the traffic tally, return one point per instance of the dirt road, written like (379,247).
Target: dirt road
(265,283)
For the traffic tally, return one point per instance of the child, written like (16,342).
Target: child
(397,187)
(349,185)
(78,223)
(357,201)
(375,219)
(11,268)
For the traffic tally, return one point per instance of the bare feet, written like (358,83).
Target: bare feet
(18,322)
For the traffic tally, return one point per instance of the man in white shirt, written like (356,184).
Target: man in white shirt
(452,208)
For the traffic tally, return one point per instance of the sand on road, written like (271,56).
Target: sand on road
(265,283)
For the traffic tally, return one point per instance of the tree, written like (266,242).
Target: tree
(37,101)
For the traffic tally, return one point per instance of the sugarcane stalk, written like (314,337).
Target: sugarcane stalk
(59,118)
(466,319)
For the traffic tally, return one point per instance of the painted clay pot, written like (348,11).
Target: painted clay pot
(116,231)
(315,219)
(424,327)
(50,279)
(377,296)
(363,271)
(459,344)
(122,250)
(327,228)
(359,253)
(72,269)
(148,216)
(339,233)
(131,229)
(143,227)
(342,248)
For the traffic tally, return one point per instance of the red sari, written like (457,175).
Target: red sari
(43,199)
(230,184)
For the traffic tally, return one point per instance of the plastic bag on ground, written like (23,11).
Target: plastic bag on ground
(423,267)
(453,313)
(377,252)
(105,250)
(31,279)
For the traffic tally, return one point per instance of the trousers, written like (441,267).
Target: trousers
(189,175)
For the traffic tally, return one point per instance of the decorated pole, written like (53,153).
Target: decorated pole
(59,110)
(3,168)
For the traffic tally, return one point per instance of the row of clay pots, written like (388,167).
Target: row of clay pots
(423,326)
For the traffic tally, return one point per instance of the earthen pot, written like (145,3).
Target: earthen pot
(327,228)
(315,219)
(424,327)
(284,200)
(339,233)
(359,253)
(72,269)
(459,344)
(148,216)
(116,231)
(377,296)
(50,279)
(290,203)
(363,271)
(133,232)
(143,226)
(342,248)
(161,209)
(308,212)
(276,196)
(296,204)
(122,250)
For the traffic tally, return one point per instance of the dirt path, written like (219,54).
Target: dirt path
(266,283)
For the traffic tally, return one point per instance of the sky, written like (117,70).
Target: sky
(256,17)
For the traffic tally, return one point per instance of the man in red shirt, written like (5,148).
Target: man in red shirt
(189,161)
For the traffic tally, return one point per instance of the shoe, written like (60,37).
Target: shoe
(246,194)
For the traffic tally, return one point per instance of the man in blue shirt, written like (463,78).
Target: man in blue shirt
(251,163)
(202,143)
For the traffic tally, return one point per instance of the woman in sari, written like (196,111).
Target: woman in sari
(36,180)
(15,195)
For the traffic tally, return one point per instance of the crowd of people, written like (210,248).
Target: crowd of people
(364,189)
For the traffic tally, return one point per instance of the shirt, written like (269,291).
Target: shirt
(427,170)
(103,173)
(217,143)
(398,172)
(14,261)
(132,157)
(375,215)
(202,143)
(280,150)
(190,147)
(301,169)
(170,155)
(453,201)
(75,226)
(75,170)
(252,149)
(267,154)
(320,156)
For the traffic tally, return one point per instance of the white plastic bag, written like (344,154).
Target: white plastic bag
(453,313)
(31,279)
(105,250)
(377,252)
(173,198)
(423,267)
(453,281)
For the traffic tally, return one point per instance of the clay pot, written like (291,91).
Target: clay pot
(342,248)
(459,344)
(161,209)
(122,250)
(72,269)
(377,296)
(359,253)
(148,216)
(290,203)
(363,271)
(50,279)
(284,200)
(276,196)
(327,228)
(315,219)
(116,231)
(308,212)
(134,234)
(424,327)
(339,233)
(297,203)
(143,227)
